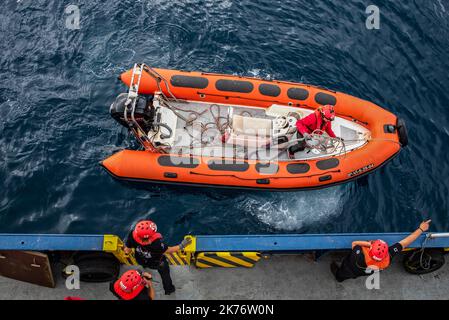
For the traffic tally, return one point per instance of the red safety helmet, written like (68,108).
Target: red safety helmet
(145,232)
(378,250)
(129,285)
(327,112)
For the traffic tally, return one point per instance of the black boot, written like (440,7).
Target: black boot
(295,148)
(170,291)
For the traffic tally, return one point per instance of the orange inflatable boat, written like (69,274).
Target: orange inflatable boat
(204,129)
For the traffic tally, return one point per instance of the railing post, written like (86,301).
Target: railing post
(114,245)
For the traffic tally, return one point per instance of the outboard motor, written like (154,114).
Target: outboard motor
(144,111)
(402,132)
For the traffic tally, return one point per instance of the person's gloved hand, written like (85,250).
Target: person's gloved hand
(424,226)
(185,243)
(147,277)
(307,136)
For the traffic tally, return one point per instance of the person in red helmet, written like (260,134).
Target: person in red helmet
(321,119)
(133,285)
(367,256)
(150,251)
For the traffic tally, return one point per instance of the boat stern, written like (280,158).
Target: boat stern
(402,132)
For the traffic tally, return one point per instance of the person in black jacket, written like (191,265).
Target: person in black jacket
(133,286)
(150,251)
(367,256)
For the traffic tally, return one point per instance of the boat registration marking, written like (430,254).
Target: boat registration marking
(361,170)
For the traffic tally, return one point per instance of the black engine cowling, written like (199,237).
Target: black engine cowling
(144,111)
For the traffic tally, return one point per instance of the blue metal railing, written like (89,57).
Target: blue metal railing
(51,242)
(260,243)
(304,242)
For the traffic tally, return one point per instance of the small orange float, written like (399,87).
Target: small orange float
(205,129)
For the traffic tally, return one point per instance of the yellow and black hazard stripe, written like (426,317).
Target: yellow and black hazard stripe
(226,259)
(177,259)
(114,245)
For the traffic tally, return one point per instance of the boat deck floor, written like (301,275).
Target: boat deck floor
(279,277)
(202,133)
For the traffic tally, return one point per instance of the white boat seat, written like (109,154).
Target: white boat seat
(251,126)
(250,131)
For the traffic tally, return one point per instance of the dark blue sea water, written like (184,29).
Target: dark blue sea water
(57,84)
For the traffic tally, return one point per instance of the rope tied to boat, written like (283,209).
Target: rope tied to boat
(425,265)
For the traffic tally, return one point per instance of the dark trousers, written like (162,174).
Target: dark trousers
(345,272)
(300,146)
(340,276)
(164,270)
